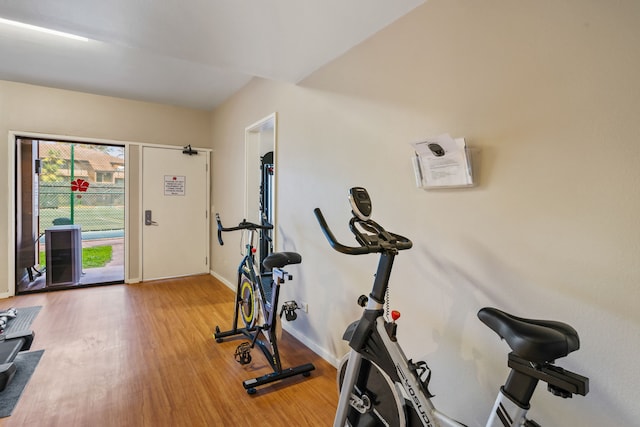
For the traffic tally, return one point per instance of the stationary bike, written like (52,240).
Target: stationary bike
(257,305)
(380,387)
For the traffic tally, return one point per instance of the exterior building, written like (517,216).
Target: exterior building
(89,163)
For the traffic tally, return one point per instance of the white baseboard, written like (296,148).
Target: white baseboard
(227,283)
(313,346)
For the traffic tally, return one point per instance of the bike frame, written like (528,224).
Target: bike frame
(248,268)
(267,304)
(505,413)
(534,344)
(371,333)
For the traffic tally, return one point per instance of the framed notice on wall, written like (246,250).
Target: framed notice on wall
(174,185)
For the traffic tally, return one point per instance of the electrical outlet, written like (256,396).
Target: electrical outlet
(304,306)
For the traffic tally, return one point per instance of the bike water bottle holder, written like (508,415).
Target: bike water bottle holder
(423,374)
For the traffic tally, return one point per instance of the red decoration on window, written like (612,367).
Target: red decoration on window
(79,185)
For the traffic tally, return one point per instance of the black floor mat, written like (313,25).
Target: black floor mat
(23,320)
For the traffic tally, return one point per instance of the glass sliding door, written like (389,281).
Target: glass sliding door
(80,216)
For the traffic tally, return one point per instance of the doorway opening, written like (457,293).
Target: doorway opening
(260,181)
(70,214)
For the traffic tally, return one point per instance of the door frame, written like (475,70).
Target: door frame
(129,216)
(11,206)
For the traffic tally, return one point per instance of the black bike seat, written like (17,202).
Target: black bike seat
(280,259)
(534,340)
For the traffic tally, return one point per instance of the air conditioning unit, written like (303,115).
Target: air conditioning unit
(64,255)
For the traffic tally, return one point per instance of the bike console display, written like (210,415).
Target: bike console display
(371,236)
(360,202)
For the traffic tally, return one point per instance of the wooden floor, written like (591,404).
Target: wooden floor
(143,355)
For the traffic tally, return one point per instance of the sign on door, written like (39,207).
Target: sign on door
(174,185)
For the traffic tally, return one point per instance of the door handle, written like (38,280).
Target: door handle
(147,218)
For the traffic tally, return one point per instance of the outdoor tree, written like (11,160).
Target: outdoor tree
(50,166)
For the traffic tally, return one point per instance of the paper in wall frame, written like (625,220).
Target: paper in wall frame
(448,169)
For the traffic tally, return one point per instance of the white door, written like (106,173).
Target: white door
(175,205)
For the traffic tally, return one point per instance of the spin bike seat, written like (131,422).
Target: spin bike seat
(538,341)
(280,259)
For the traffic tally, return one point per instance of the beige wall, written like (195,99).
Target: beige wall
(34,109)
(549,95)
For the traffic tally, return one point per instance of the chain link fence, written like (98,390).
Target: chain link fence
(99,208)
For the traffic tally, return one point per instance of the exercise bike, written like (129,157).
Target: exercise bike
(380,387)
(256,305)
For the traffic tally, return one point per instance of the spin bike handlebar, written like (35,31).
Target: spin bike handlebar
(384,241)
(244,225)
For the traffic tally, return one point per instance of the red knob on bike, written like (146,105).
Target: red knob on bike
(395,315)
(254,250)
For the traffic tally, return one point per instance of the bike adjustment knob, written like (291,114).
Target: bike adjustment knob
(395,315)
(363,300)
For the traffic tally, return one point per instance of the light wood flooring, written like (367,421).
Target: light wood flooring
(144,355)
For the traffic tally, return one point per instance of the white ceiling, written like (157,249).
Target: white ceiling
(192,53)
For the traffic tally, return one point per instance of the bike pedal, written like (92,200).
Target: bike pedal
(289,310)
(243,353)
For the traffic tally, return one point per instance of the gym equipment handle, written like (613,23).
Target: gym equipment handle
(349,250)
(244,225)
(388,241)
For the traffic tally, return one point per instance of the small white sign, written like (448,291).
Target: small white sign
(174,185)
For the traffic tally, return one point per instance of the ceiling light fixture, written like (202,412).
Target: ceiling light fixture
(42,29)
